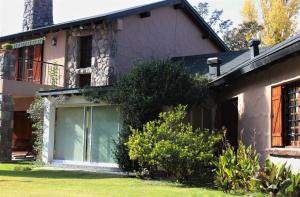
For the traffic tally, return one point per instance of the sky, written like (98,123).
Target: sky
(11,11)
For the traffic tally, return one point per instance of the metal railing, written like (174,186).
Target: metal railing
(39,72)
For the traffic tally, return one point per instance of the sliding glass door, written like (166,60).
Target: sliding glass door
(86,133)
(105,129)
(69,135)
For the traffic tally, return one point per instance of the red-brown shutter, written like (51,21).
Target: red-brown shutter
(37,65)
(277,132)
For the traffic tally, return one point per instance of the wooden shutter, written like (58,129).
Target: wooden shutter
(37,65)
(277,130)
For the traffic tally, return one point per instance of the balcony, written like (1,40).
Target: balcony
(38,72)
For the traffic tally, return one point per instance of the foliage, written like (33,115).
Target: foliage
(249,11)
(142,93)
(294,188)
(22,168)
(213,19)
(53,74)
(36,112)
(236,169)
(279,19)
(238,38)
(6,46)
(172,146)
(274,179)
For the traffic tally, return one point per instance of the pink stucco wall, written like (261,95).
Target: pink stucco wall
(168,32)
(54,54)
(254,100)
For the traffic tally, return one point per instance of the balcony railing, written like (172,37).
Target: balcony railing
(39,72)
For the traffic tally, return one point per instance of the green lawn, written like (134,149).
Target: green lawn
(42,182)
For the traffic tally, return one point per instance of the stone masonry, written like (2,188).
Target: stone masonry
(7,71)
(103,51)
(37,13)
(6,126)
(7,65)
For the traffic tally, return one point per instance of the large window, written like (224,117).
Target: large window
(86,133)
(29,64)
(285,115)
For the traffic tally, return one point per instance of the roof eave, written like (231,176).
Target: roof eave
(259,63)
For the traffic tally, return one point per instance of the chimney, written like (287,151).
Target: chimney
(254,47)
(37,13)
(214,66)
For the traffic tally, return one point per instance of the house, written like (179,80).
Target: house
(258,97)
(91,51)
(257,89)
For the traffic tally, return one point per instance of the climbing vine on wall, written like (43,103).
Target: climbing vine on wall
(36,112)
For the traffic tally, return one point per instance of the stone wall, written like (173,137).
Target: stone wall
(37,13)
(6,125)
(103,52)
(7,65)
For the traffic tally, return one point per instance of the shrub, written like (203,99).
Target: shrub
(36,112)
(275,179)
(6,46)
(235,170)
(170,145)
(294,188)
(22,168)
(143,91)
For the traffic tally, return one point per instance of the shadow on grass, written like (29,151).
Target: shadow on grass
(55,174)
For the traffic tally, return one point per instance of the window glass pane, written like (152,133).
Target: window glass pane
(105,129)
(69,134)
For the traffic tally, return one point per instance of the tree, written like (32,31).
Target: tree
(249,12)
(213,19)
(238,38)
(250,20)
(279,19)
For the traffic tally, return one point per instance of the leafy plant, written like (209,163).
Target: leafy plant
(170,145)
(294,188)
(36,112)
(6,46)
(274,179)
(236,168)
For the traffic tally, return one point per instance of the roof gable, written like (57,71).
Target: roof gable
(182,4)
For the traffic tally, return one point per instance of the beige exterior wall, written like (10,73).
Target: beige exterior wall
(168,32)
(254,100)
(54,54)
(22,104)
(19,89)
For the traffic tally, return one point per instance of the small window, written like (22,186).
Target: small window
(85,51)
(84,80)
(285,115)
(292,115)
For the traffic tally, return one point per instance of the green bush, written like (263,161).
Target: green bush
(22,168)
(142,93)
(236,169)
(170,145)
(6,46)
(275,179)
(36,114)
(294,188)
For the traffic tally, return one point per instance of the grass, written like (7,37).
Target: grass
(42,182)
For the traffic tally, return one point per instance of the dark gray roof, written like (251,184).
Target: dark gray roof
(183,4)
(282,50)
